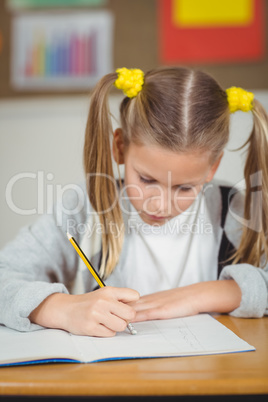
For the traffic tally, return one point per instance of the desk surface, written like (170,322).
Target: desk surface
(237,374)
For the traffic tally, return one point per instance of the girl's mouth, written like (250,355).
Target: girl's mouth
(157,217)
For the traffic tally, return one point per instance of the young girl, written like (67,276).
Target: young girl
(168,241)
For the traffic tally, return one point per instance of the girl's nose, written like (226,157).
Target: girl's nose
(159,204)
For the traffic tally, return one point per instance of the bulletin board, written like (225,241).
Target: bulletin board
(135,45)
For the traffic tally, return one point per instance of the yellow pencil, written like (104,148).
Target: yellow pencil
(94,273)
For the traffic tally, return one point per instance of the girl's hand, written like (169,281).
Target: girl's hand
(100,313)
(178,302)
(215,296)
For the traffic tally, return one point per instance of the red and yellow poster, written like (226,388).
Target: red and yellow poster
(208,31)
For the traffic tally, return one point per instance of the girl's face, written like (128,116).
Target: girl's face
(161,184)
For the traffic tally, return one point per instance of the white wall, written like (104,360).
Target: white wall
(43,138)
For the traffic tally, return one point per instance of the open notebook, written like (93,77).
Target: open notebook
(197,335)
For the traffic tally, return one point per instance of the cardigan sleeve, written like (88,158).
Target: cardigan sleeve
(40,261)
(253,281)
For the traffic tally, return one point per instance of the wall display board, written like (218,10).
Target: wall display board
(26,4)
(60,51)
(40,62)
(211,31)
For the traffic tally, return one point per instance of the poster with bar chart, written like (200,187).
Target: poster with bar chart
(61,51)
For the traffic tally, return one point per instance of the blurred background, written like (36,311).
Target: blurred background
(52,53)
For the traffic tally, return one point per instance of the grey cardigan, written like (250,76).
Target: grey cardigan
(41,261)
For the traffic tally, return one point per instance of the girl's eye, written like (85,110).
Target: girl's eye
(185,189)
(144,180)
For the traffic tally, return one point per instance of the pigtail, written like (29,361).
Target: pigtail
(101,184)
(253,248)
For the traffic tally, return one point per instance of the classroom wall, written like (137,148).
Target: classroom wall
(42,132)
(41,147)
(136,39)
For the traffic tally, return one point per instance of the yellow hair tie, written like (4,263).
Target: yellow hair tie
(239,99)
(129,81)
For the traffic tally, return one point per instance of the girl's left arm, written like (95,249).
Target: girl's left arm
(242,291)
(213,296)
(253,283)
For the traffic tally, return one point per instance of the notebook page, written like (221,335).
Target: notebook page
(42,344)
(195,335)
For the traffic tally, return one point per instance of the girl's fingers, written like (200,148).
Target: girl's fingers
(102,312)
(111,312)
(147,302)
(123,311)
(113,323)
(125,295)
(104,332)
(147,314)
(112,303)
(144,305)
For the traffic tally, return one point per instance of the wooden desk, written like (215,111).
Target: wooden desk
(231,374)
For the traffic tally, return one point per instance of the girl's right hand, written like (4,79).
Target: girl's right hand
(102,312)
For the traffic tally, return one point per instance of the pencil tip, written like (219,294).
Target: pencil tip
(68,235)
(131,329)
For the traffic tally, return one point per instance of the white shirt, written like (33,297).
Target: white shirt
(181,252)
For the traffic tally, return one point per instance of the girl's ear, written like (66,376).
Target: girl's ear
(118,146)
(214,168)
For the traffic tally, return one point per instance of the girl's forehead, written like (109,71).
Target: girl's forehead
(157,163)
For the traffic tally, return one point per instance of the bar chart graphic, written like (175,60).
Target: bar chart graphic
(74,56)
(61,51)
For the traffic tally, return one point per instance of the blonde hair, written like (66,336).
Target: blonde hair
(253,247)
(178,109)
